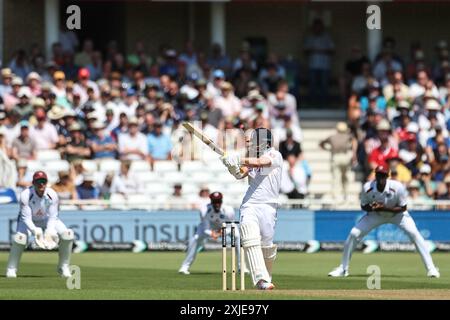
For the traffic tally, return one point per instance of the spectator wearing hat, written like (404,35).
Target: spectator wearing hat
(88,189)
(44,132)
(249,105)
(23,147)
(214,87)
(159,144)
(343,153)
(12,98)
(402,119)
(34,82)
(133,145)
(427,185)
(59,85)
(259,119)
(419,200)
(385,149)
(431,117)
(124,182)
(319,48)
(65,187)
(5,84)
(102,144)
(227,101)
(82,85)
(24,107)
(383,132)
(76,147)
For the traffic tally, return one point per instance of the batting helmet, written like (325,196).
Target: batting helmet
(39,175)
(260,140)
(216,196)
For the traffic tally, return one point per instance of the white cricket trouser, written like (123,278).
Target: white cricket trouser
(372,220)
(258,229)
(199,239)
(263,214)
(22,227)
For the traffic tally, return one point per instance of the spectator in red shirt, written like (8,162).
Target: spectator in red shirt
(379,155)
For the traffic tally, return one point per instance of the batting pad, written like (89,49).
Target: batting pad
(270,254)
(251,241)
(18,245)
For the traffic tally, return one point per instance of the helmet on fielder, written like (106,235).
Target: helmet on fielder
(260,141)
(216,200)
(40,182)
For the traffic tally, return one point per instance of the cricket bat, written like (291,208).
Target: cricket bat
(205,139)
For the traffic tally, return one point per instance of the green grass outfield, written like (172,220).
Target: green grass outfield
(153,275)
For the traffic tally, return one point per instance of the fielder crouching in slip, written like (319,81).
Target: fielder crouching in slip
(38,211)
(212,216)
(258,210)
(384,201)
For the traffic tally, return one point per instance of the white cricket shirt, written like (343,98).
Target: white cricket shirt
(35,209)
(265,183)
(393,195)
(212,220)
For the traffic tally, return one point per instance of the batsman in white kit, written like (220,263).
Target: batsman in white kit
(384,201)
(212,216)
(38,216)
(258,210)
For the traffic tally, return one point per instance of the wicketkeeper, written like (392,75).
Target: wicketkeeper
(212,216)
(38,216)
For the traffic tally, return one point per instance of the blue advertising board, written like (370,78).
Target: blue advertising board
(178,226)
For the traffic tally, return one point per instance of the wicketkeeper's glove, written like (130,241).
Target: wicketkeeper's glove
(39,237)
(51,240)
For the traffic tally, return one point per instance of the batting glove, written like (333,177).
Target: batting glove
(231,159)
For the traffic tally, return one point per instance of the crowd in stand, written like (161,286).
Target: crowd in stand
(399,115)
(89,104)
(92,104)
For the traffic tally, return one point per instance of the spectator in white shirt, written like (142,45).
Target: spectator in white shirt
(125,182)
(228,102)
(423,85)
(44,133)
(133,145)
(294,179)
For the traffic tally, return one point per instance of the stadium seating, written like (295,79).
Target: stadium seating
(45,155)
